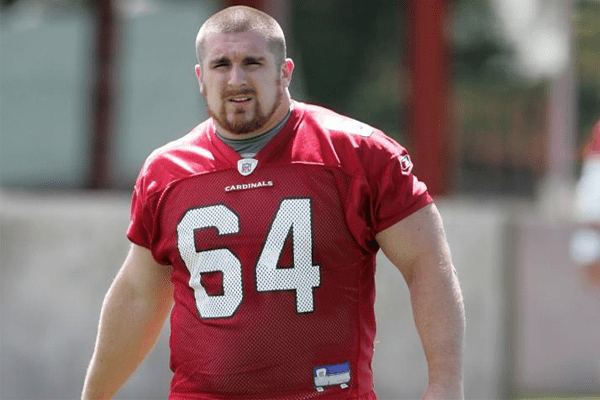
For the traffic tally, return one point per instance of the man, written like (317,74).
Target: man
(263,224)
(585,244)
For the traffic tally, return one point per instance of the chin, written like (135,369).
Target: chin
(240,124)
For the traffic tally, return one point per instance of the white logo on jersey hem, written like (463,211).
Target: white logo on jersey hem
(246,166)
(331,375)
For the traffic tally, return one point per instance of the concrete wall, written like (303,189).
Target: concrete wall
(557,312)
(59,253)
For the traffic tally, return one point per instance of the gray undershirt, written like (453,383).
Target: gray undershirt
(248,148)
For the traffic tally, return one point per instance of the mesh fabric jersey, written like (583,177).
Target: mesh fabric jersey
(274,259)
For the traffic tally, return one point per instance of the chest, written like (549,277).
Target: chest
(288,209)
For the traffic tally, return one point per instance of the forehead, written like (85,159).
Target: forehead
(235,45)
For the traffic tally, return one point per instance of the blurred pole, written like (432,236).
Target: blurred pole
(429,126)
(558,185)
(103,93)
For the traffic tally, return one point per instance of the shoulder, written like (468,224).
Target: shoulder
(352,141)
(342,128)
(179,158)
(332,123)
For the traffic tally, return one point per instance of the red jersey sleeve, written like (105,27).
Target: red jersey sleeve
(393,192)
(396,191)
(154,177)
(140,223)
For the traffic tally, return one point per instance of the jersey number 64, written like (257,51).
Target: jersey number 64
(293,215)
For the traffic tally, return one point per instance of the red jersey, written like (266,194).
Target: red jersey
(274,257)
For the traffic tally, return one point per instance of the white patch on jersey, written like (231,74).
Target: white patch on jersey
(331,375)
(405,163)
(246,166)
(339,123)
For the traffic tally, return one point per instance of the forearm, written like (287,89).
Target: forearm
(440,321)
(125,336)
(130,324)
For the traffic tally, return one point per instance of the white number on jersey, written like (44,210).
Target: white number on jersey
(293,215)
(223,260)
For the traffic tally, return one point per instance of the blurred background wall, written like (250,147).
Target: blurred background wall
(494,99)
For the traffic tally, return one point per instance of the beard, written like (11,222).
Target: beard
(241,126)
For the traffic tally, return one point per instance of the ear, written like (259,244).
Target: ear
(287,70)
(198,71)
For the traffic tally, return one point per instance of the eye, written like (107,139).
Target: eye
(220,63)
(252,61)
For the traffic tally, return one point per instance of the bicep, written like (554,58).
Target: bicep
(144,278)
(417,243)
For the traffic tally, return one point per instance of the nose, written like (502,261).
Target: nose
(237,76)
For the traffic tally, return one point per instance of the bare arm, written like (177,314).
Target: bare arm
(132,316)
(417,247)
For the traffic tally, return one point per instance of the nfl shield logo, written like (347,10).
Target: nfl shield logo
(247,165)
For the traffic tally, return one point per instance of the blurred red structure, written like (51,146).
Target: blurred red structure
(429,127)
(592,145)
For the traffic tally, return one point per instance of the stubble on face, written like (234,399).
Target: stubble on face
(238,124)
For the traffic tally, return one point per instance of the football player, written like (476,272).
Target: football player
(257,232)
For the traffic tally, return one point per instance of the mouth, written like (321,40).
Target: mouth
(240,96)
(240,99)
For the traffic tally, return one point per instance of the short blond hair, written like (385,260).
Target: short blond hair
(238,19)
